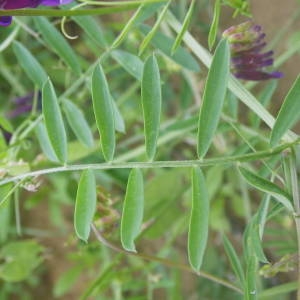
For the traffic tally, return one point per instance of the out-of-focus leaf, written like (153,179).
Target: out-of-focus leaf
(214,25)
(267,187)
(149,36)
(45,144)
(251,289)
(234,260)
(66,281)
(288,115)
(92,29)
(119,121)
(164,43)
(57,42)
(78,123)
(184,28)
(30,65)
(19,259)
(5,212)
(131,63)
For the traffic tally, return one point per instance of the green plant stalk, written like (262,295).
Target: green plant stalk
(235,159)
(296,199)
(165,262)
(17,212)
(125,6)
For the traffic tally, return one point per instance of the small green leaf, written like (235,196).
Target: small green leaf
(164,43)
(184,28)
(132,216)
(78,123)
(234,260)
(131,63)
(56,41)
(103,111)
(151,102)
(92,29)
(288,115)
(214,26)
(54,121)
(198,229)
(85,205)
(213,97)
(45,144)
(30,65)
(267,187)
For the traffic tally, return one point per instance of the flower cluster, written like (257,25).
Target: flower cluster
(247,59)
(16,4)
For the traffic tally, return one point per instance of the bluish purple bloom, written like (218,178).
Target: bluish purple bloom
(247,59)
(16,4)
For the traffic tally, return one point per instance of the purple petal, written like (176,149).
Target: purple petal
(9,4)
(5,20)
(55,2)
(20,111)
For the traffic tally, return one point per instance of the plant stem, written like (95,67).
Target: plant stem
(129,5)
(165,262)
(235,159)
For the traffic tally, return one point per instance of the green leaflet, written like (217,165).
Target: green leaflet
(133,208)
(57,42)
(54,121)
(104,113)
(78,123)
(213,97)
(288,115)
(131,63)
(151,102)
(164,43)
(30,65)
(234,260)
(267,187)
(198,229)
(185,25)
(85,204)
(214,25)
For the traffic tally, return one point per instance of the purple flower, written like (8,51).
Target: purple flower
(247,59)
(16,4)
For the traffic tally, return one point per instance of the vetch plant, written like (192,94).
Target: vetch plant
(142,158)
